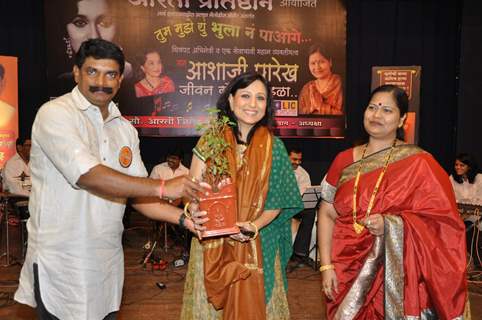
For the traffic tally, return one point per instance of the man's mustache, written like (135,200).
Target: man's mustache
(107,90)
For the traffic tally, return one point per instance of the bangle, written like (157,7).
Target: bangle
(327,267)
(187,213)
(161,188)
(255,230)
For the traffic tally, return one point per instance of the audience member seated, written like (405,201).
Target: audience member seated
(167,170)
(170,169)
(302,223)
(16,174)
(16,178)
(467,184)
(466,181)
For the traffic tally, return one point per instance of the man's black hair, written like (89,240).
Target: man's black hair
(99,49)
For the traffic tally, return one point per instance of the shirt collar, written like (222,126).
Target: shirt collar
(83,104)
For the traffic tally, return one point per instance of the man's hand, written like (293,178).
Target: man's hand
(183,186)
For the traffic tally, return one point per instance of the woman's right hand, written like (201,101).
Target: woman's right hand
(329,283)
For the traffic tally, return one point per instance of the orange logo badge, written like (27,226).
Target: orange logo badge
(125,157)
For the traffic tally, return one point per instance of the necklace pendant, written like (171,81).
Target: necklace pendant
(358,227)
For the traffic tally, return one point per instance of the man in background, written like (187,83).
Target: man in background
(302,223)
(172,168)
(16,177)
(169,169)
(16,174)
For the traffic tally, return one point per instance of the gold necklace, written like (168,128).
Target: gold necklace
(357,226)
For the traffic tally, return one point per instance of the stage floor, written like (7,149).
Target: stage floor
(143,300)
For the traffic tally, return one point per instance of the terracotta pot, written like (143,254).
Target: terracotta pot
(222,211)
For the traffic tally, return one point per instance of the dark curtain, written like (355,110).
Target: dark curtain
(390,32)
(22,35)
(406,32)
(469,117)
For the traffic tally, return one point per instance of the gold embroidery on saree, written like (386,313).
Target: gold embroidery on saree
(277,307)
(394,274)
(376,161)
(355,298)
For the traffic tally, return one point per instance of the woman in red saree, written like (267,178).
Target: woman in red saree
(391,240)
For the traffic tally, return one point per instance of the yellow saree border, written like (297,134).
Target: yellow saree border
(376,161)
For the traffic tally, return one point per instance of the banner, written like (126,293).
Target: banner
(8,107)
(182,53)
(407,78)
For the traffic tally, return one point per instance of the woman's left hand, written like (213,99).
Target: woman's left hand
(240,236)
(375,224)
(195,223)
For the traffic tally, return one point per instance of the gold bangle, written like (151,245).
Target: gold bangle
(327,267)
(256,230)
(187,213)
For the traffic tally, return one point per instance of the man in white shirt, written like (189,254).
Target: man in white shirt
(301,245)
(171,168)
(85,162)
(16,174)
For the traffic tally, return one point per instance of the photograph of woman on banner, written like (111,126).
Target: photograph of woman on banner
(324,95)
(7,112)
(78,21)
(153,82)
(243,276)
(392,243)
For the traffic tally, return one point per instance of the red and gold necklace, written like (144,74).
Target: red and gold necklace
(357,226)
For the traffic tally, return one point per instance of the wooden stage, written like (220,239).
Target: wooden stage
(143,300)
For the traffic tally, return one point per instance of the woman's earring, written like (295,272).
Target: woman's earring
(68,49)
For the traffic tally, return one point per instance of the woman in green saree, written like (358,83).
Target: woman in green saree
(241,277)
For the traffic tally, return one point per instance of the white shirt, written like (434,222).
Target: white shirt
(466,192)
(75,236)
(162,171)
(12,172)
(303,179)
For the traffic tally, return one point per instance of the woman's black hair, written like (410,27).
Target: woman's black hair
(401,98)
(240,82)
(470,161)
(140,59)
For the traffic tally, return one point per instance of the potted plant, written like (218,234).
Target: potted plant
(219,202)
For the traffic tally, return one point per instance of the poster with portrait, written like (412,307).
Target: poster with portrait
(182,53)
(8,107)
(408,78)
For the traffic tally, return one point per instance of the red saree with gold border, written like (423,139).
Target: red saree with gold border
(417,269)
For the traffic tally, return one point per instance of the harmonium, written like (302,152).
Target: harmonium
(469,209)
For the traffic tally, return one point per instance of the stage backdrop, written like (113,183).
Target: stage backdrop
(8,107)
(182,53)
